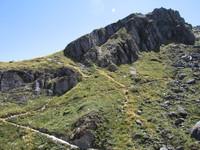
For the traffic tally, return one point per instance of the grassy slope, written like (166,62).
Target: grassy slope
(117,96)
(16,138)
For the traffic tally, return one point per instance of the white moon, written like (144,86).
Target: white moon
(113,10)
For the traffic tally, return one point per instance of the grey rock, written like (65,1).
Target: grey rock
(196,74)
(173,114)
(177,90)
(179,121)
(181,95)
(36,87)
(165,133)
(182,76)
(14,78)
(197,101)
(182,112)
(196,46)
(179,148)
(164,148)
(192,65)
(165,104)
(112,68)
(137,136)
(64,84)
(139,112)
(195,133)
(196,55)
(178,64)
(170,137)
(50,92)
(86,140)
(65,79)
(10,80)
(120,42)
(157,60)
(170,148)
(185,86)
(186,58)
(66,113)
(175,46)
(64,71)
(83,136)
(167,97)
(191,81)
(42,82)
(139,122)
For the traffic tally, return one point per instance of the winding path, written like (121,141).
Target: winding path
(53,138)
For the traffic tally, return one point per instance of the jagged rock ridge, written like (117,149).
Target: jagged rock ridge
(120,42)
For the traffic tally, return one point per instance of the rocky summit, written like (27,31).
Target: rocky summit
(133,84)
(120,42)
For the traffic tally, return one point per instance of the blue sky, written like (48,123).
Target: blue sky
(32,28)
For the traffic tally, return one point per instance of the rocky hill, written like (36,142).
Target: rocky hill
(120,42)
(133,84)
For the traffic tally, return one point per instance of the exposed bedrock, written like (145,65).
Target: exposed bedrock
(120,42)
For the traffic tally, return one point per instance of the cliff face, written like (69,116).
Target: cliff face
(18,86)
(120,42)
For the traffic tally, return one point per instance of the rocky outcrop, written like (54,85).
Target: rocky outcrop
(64,84)
(13,78)
(20,85)
(120,42)
(83,135)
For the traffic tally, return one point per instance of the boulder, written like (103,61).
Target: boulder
(139,112)
(179,148)
(165,104)
(64,84)
(85,140)
(179,121)
(138,121)
(195,132)
(83,135)
(178,64)
(197,101)
(191,81)
(112,68)
(182,76)
(186,58)
(164,148)
(182,112)
(173,114)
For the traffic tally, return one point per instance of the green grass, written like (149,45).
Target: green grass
(12,137)
(53,61)
(8,108)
